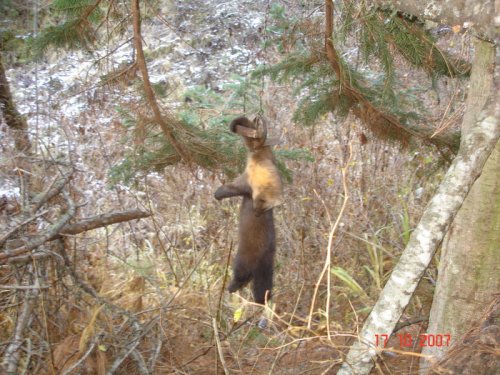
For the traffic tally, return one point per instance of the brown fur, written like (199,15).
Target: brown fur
(260,187)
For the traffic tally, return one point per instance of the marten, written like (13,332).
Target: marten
(261,189)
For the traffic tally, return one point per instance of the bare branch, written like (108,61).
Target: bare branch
(23,259)
(82,358)
(141,364)
(140,330)
(130,349)
(54,189)
(219,348)
(61,228)
(50,233)
(24,287)
(13,231)
(102,221)
(12,353)
(158,346)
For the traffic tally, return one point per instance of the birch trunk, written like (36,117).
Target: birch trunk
(470,258)
(476,146)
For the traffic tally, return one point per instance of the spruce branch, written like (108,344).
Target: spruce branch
(378,120)
(150,95)
(76,32)
(353,93)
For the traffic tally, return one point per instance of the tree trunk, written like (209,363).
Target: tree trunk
(470,260)
(12,117)
(476,146)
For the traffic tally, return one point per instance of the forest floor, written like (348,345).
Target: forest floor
(169,271)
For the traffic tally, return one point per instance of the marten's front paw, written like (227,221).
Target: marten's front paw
(219,193)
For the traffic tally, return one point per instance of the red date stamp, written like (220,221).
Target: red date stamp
(406,340)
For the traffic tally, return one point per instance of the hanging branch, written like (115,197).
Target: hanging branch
(378,120)
(89,10)
(150,95)
(354,94)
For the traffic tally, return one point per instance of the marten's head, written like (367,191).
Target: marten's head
(254,132)
(263,176)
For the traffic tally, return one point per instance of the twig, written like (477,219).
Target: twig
(54,189)
(289,325)
(52,231)
(13,231)
(130,348)
(12,353)
(140,330)
(409,322)
(156,353)
(82,358)
(89,10)
(195,357)
(27,360)
(327,265)
(446,123)
(219,305)
(141,365)
(219,348)
(23,259)
(24,287)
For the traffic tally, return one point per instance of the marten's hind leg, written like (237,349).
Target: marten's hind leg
(242,274)
(263,279)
